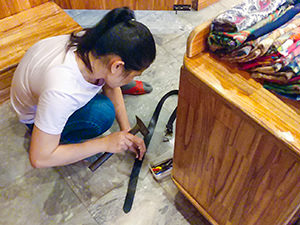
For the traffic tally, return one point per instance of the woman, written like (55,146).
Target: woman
(55,90)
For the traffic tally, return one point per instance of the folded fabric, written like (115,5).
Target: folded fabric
(295,65)
(265,44)
(226,41)
(289,45)
(296,36)
(295,52)
(261,61)
(262,45)
(244,15)
(271,78)
(285,38)
(285,62)
(295,79)
(285,89)
(290,96)
(281,77)
(245,53)
(287,16)
(270,69)
(285,47)
(249,66)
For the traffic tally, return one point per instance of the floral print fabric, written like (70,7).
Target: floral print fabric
(263,37)
(245,15)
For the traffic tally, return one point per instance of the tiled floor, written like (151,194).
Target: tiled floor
(74,195)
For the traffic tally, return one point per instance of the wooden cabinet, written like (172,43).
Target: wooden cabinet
(110,4)
(133,4)
(237,146)
(11,7)
(8,8)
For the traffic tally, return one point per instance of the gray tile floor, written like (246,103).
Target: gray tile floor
(74,195)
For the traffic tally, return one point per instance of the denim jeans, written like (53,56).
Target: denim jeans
(90,121)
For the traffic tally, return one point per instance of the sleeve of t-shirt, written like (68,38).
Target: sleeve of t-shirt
(53,110)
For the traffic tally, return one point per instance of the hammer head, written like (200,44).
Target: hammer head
(139,126)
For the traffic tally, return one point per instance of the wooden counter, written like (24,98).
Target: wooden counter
(237,146)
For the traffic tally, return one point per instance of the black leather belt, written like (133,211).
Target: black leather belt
(138,163)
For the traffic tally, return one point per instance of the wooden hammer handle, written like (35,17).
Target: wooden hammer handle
(100,161)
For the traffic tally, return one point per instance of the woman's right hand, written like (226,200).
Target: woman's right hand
(122,141)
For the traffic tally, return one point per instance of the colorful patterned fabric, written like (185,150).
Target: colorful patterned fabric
(287,62)
(290,96)
(261,61)
(259,47)
(287,16)
(295,65)
(295,80)
(289,45)
(285,89)
(265,44)
(269,47)
(269,69)
(245,53)
(228,41)
(285,37)
(283,77)
(244,15)
(296,36)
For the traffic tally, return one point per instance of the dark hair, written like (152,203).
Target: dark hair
(117,33)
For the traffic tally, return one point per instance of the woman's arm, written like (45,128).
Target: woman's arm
(116,96)
(45,150)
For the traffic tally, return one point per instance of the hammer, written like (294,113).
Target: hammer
(139,126)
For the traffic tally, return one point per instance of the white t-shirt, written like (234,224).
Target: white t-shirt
(48,86)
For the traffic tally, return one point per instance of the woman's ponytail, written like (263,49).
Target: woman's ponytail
(111,19)
(118,15)
(93,38)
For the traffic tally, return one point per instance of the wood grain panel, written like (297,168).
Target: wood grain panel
(5,82)
(111,4)
(234,170)
(11,7)
(6,77)
(34,3)
(197,39)
(132,4)
(26,28)
(200,4)
(65,4)
(22,30)
(8,8)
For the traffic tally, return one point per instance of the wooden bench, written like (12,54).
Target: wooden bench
(20,31)
(237,145)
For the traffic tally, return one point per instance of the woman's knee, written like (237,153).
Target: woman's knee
(96,117)
(103,109)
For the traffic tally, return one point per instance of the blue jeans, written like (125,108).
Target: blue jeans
(90,121)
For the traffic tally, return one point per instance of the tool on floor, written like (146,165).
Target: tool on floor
(139,127)
(138,163)
(162,169)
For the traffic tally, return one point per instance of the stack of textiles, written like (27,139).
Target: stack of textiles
(262,37)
